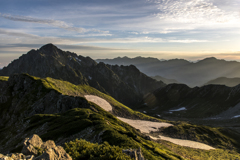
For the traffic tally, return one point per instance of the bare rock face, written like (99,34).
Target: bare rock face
(16,156)
(56,153)
(35,146)
(136,154)
(31,145)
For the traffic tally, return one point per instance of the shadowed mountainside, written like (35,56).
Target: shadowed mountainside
(179,100)
(50,61)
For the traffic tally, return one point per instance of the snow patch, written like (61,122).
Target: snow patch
(78,60)
(186,143)
(89,77)
(180,109)
(99,101)
(237,116)
(145,126)
(144,112)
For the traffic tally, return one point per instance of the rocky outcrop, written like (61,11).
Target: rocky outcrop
(35,149)
(136,154)
(16,156)
(126,84)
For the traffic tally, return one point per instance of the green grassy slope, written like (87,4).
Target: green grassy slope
(67,88)
(3,78)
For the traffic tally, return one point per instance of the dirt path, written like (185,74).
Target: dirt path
(148,126)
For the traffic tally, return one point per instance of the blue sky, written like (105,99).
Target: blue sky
(165,29)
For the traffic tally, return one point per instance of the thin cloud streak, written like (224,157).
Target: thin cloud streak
(17,34)
(55,23)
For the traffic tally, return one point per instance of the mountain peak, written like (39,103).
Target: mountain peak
(210,59)
(48,47)
(50,50)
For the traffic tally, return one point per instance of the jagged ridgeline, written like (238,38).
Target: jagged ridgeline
(56,110)
(125,83)
(178,100)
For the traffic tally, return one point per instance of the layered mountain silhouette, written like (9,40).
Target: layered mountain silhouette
(126,84)
(165,80)
(190,73)
(230,82)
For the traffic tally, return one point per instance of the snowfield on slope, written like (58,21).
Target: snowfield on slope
(148,126)
(186,143)
(145,126)
(99,101)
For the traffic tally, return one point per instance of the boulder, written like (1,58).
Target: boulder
(32,145)
(56,153)
(48,150)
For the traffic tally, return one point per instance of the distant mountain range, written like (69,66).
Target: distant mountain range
(164,80)
(231,82)
(183,71)
(118,81)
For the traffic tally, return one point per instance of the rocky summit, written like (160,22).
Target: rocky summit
(126,84)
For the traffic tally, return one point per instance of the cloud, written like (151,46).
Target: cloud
(188,41)
(193,11)
(70,47)
(55,23)
(17,34)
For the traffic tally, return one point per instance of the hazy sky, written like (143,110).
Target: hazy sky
(165,29)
